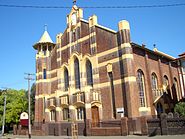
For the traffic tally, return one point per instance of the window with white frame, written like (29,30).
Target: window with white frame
(64,99)
(52,115)
(80,113)
(154,85)
(141,88)
(95,96)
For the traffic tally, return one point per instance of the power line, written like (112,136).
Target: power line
(95,7)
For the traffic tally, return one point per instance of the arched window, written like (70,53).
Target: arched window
(66,79)
(89,74)
(176,88)
(165,80)
(141,88)
(154,85)
(77,73)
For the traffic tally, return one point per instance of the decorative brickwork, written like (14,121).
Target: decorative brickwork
(105,93)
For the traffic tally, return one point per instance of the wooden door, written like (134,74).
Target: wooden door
(95,116)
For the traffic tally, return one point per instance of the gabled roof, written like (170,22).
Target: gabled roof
(45,38)
(155,51)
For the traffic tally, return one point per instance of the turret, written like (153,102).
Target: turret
(44,46)
(124,42)
(124,29)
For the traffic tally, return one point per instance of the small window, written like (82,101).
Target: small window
(44,74)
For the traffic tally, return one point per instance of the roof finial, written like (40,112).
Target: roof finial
(74,2)
(154,45)
(45,27)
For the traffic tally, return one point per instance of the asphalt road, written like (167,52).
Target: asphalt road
(96,137)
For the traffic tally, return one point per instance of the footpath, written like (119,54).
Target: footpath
(95,137)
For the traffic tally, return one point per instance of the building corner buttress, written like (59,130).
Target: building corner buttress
(127,70)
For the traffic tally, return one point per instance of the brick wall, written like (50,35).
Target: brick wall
(166,126)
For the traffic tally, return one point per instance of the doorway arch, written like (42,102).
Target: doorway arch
(95,116)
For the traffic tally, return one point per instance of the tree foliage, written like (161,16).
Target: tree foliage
(180,108)
(16,103)
(32,97)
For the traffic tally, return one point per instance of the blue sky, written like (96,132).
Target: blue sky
(20,28)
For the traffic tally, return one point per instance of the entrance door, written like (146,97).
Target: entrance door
(95,116)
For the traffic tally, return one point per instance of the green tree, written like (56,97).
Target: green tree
(16,103)
(32,97)
(180,108)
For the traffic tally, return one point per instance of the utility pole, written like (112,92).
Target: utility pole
(29,78)
(4,112)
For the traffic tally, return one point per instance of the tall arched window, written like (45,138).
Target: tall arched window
(165,80)
(77,73)
(141,88)
(66,79)
(154,85)
(89,74)
(176,88)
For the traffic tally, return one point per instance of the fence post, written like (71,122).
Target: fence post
(14,129)
(164,128)
(19,129)
(144,128)
(124,126)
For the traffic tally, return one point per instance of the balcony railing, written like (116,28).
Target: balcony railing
(51,102)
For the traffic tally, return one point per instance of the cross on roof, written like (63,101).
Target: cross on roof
(45,27)
(74,2)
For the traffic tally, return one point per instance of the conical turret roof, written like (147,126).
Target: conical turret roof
(45,38)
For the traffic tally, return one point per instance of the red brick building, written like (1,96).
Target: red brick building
(93,72)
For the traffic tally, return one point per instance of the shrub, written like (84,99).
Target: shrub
(180,108)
